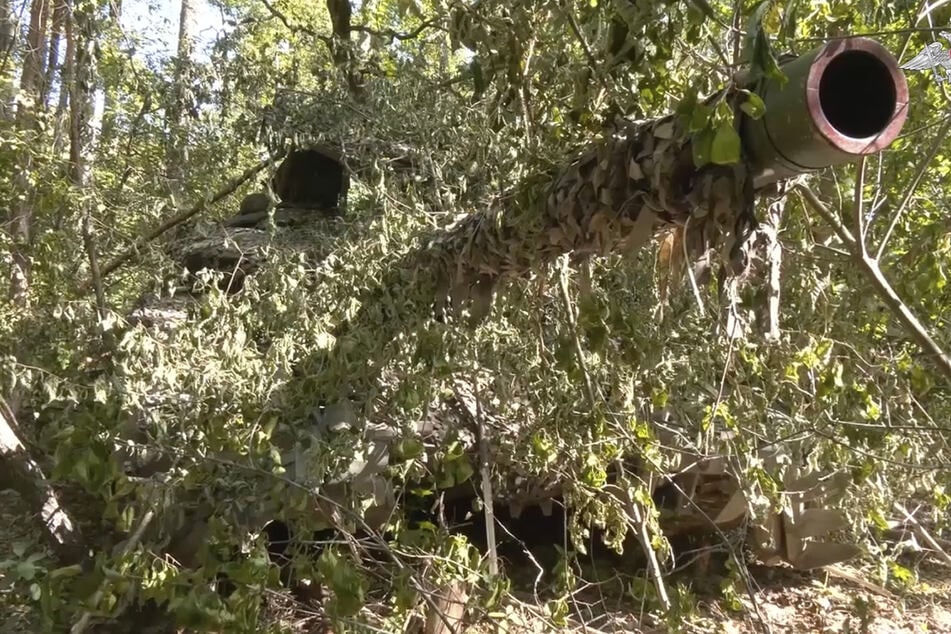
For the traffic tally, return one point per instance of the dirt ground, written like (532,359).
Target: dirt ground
(841,600)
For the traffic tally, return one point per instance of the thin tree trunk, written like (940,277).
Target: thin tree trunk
(341,46)
(82,137)
(7,33)
(7,42)
(176,151)
(107,136)
(65,81)
(21,213)
(56,32)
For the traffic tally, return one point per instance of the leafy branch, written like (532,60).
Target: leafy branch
(229,188)
(870,267)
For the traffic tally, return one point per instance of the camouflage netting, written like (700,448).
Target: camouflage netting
(397,380)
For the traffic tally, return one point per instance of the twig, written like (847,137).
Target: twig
(133,541)
(872,34)
(531,558)
(573,324)
(181,217)
(858,228)
(586,48)
(485,475)
(885,291)
(639,518)
(690,275)
(774,258)
(923,533)
(358,521)
(95,278)
(816,205)
(396,35)
(294,28)
(939,140)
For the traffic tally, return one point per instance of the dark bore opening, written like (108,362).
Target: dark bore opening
(310,179)
(857,94)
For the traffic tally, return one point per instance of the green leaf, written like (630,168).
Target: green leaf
(26,571)
(702,147)
(762,60)
(463,471)
(445,480)
(699,118)
(725,147)
(753,106)
(66,571)
(408,449)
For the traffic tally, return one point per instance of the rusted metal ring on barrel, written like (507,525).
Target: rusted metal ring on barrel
(858,145)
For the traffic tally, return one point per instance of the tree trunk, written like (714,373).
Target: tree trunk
(341,47)
(65,81)
(7,42)
(82,146)
(21,473)
(21,213)
(7,33)
(109,92)
(176,150)
(56,32)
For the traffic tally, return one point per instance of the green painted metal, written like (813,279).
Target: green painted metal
(842,100)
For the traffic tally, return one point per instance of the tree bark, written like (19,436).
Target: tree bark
(21,213)
(82,147)
(341,46)
(7,42)
(176,149)
(21,473)
(56,32)
(107,136)
(7,33)
(65,80)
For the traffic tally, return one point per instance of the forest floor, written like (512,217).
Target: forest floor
(841,600)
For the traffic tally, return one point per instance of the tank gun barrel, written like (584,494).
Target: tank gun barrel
(845,99)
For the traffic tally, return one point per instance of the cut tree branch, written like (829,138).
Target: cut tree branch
(229,188)
(21,473)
